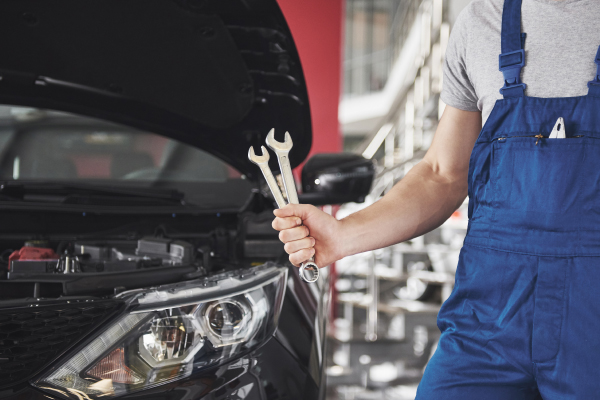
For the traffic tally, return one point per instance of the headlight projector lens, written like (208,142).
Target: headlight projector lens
(227,318)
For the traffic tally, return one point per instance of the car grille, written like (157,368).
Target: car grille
(30,337)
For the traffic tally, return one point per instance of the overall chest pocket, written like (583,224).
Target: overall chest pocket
(545,175)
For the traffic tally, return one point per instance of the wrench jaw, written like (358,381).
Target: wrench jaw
(258,160)
(288,140)
(276,146)
(263,163)
(309,272)
(251,155)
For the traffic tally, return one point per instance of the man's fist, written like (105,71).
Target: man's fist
(308,231)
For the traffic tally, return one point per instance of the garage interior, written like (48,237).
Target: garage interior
(383,325)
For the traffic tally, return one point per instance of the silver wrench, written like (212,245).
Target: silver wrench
(282,151)
(263,163)
(309,271)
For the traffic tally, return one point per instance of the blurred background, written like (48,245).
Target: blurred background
(374,70)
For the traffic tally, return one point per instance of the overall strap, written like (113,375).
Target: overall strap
(512,58)
(594,84)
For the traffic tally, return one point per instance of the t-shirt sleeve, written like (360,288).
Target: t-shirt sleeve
(457,89)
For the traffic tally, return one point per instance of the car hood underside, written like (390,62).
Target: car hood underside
(217,74)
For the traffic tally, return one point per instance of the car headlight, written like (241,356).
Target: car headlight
(172,331)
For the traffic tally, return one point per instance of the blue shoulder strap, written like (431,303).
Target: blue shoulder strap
(512,58)
(594,84)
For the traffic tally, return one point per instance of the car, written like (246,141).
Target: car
(137,255)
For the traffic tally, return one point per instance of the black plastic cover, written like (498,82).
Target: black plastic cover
(334,178)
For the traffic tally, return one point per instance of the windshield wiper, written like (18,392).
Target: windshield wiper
(85,193)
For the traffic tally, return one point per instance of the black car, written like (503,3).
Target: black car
(137,256)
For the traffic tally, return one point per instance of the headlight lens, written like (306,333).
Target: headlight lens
(206,323)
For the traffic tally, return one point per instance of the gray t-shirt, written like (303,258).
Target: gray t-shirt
(562,40)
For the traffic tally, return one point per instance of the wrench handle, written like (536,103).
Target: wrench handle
(273,186)
(288,178)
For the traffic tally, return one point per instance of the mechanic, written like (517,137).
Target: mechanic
(522,321)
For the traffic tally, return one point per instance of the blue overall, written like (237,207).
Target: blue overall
(523,320)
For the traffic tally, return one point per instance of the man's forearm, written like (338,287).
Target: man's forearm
(420,202)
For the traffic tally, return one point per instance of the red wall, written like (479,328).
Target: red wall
(317,29)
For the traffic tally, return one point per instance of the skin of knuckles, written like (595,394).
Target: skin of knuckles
(303,258)
(283,235)
(288,249)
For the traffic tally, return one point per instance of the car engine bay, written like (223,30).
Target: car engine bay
(45,268)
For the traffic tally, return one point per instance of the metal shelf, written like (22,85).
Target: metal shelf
(440,278)
(361,300)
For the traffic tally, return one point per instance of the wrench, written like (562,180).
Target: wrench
(309,271)
(282,150)
(263,163)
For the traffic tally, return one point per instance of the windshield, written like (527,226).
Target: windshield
(49,146)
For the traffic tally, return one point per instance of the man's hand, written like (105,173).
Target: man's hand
(306,232)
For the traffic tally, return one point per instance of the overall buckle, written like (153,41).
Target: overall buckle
(510,66)
(596,80)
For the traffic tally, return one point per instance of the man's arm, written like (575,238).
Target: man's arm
(429,193)
(426,197)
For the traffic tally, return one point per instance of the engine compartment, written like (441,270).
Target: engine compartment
(98,257)
(104,265)
(97,268)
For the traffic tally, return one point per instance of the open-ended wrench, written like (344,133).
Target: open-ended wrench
(263,163)
(282,151)
(309,271)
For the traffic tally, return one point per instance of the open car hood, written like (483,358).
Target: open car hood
(216,74)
